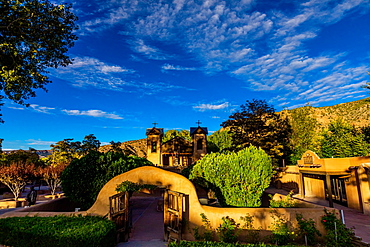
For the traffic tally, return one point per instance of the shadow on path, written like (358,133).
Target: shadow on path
(147,223)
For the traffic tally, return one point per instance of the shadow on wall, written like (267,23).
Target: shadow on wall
(193,209)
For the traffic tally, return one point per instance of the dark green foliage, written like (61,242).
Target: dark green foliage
(21,157)
(218,244)
(287,202)
(133,187)
(343,140)
(84,178)
(35,35)
(338,235)
(238,178)
(219,141)
(281,229)
(304,127)
(205,232)
(170,134)
(257,124)
(57,231)
(228,231)
(307,230)
(89,143)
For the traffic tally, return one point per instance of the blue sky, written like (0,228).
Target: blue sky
(177,62)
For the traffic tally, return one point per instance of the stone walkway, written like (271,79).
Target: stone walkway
(147,224)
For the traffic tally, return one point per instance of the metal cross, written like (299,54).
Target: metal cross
(155,124)
(199,122)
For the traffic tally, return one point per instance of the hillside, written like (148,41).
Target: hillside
(136,146)
(356,113)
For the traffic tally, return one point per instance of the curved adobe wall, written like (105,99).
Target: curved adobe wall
(146,175)
(193,209)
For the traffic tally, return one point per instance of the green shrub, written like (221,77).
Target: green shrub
(337,233)
(253,235)
(218,244)
(281,232)
(307,229)
(83,179)
(76,231)
(207,231)
(133,187)
(238,179)
(228,231)
(287,202)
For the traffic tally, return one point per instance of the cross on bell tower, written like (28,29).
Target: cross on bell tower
(155,124)
(198,122)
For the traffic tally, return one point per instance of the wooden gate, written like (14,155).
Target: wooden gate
(119,213)
(173,215)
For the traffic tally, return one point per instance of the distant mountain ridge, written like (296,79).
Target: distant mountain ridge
(356,113)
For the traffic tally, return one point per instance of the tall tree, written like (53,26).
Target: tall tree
(51,175)
(170,134)
(343,140)
(257,124)
(16,170)
(90,143)
(304,128)
(219,141)
(34,36)
(63,152)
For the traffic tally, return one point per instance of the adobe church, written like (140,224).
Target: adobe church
(178,151)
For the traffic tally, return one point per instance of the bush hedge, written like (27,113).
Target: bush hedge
(219,244)
(83,179)
(77,231)
(238,178)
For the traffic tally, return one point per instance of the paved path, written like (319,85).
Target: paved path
(147,224)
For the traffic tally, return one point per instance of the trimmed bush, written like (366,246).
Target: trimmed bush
(219,244)
(238,179)
(76,231)
(83,179)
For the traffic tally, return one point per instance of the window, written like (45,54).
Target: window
(154,147)
(200,144)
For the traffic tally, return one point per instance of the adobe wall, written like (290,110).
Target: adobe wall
(176,182)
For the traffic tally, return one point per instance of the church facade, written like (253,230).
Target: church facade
(178,151)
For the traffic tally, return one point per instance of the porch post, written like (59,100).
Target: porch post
(330,194)
(301,185)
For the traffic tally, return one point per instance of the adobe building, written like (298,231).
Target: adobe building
(344,181)
(178,151)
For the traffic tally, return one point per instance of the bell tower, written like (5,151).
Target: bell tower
(154,144)
(199,137)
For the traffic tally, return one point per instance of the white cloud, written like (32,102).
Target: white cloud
(42,109)
(39,142)
(93,64)
(92,113)
(267,49)
(16,108)
(148,51)
(177,67)
(205,107)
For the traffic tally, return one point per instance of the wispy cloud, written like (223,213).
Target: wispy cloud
(207,107)
(177,68)
(149,51)
(42,109)
(267,49)
(91,72)
(92,113)
(39,142)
